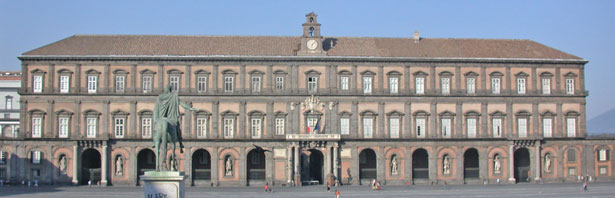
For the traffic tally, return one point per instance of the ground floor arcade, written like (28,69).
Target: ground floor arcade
(314,161)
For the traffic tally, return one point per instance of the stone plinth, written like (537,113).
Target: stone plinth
(164,184)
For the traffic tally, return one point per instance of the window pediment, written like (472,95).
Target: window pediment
(496,74)
(345,114)
(344,72)
(64,113)
(65,72)
(256,113)
(229,71)
(145,112)
(472,114)
(119,113)
(91,112)
(120,71)
(228,114)
(147,71)
(447,114)
(421,113)
(368,113)
(312,72)
(445,74)
(36,112)
(175,71)
(395,113)
(498,113)
(279,72)
(521,74)
(201,72)
(280,114)
(546,74)
(570,75)
(394,73)
(202,113)
(471,74)
(367,73)
(38,71)
(256,72)
(420,73)
(572,113)
(92,72)
(548,114)
(523,113)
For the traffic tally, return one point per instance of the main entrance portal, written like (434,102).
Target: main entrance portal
(313,163)
(90,166)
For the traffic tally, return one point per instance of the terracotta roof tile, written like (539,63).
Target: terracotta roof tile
(287,46)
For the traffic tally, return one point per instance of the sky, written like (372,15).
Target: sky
(581,28)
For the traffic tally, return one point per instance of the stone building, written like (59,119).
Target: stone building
(419,110)
(10,82)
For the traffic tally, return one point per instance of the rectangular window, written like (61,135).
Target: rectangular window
(36,127)
(37,84)
(119,127)
(602,170)
(368,127)
(147,84)
(229,127)
(312,84)
(64,84)
(228,84)
(570,86)
(521,85)
(146,127)
(201,127)
(547,127)
(174,82)
(445,85)
(522,127)
(36,157)
(256,127)
(91,127)
(256,84)
(394,127)
(367,85)
(420,128)
(571,127)
(344,82)
(602,153)
(279,126)
(471,122)
(546,86)
(394,85)
(120,83)
(497,127)
(279,83)
(572,171)
(446,128)
(63,127)
(201,84)
(92,84)
(9,103)
(345,126)
(471,85)
(420,85)
(495,85)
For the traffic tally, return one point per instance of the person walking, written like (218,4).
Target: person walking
(337,193)
(585,184)
(328,187)
(267,187)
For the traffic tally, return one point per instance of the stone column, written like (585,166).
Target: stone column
(133,133)
(535,121)
(289,166)
(103,166)
(433,126)
(433,165)
(75,165)
(459,169)
(483,160)
(558,81)
(215,158)
(270,79)
(327,165)
(335,162)
(214,79)
(25,119)
(354,166)
(297,163)
(215,119)
(511,164)
(484,129)
(381,133)
(242,167)
(537,161)
(133,80)
(583,121)
(380,164)
(132,165)
(77,87)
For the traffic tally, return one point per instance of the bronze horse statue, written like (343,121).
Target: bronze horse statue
(167,128)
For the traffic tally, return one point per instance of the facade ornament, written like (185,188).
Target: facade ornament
(119,166)
(446,165)
(497,165)
(548,163)
(312,103)
(228,167)
(394,166)
(63,164)
(292,106)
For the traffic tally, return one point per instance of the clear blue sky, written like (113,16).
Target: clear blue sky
(582,28)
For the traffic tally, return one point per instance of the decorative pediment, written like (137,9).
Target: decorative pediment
(368,113)
(394,73)
(395,113)
(523,113)
(471,74)
(421,113)
(548,113)
(201,72)
(496,74)
(546,74)
(368,73)
(229,71)
(498,113)
(447,113)
(344,114)
(147,71)
(522,74)
(570,75)
(120,71)
(280,72)
(445,73)
(344,72)
(420,73)
(256,72)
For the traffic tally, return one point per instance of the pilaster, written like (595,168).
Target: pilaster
(75,165)
(381,122)
(215,159)
(215,132)
(133,133)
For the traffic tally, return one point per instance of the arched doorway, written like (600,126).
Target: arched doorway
(522,165)
(367,166)
(146,161)
(201,166)
(90,166)
(256,167)
(470,164)
(313,161)
(420,164)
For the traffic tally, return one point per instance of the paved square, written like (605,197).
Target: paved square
(474,191)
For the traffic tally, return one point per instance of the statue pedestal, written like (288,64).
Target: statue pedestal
(167,184)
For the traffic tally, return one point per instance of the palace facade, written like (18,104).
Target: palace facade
(418,110)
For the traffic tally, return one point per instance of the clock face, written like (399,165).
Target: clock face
(312,44)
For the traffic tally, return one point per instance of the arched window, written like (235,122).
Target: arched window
(311,31)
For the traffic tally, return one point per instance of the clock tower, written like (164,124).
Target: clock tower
(311,41)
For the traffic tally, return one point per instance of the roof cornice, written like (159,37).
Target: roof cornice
(291,58)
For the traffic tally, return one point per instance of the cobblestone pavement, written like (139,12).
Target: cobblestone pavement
(473,191)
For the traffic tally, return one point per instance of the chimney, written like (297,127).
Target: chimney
(417,36)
